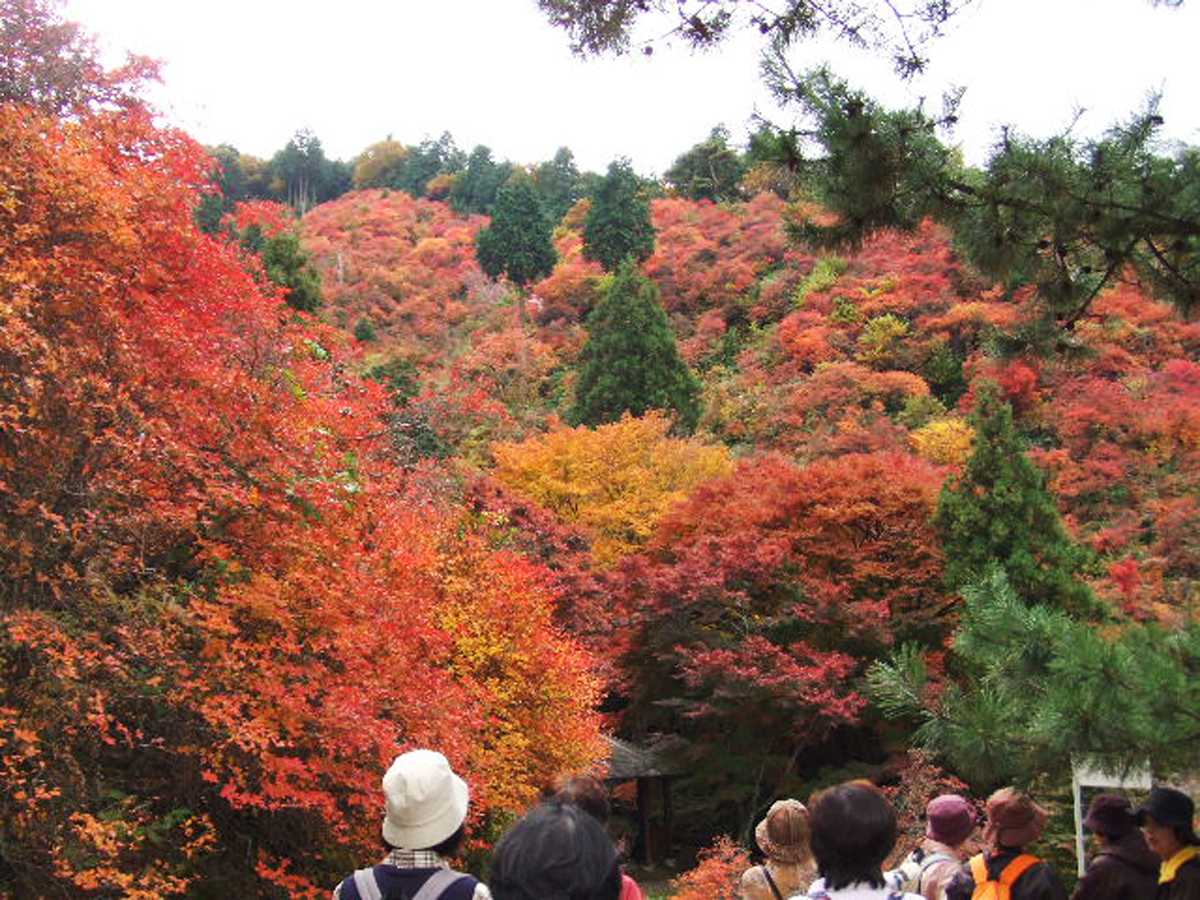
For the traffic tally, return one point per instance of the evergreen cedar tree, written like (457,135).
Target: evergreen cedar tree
(998,512)
(618,225)
(517,244)
(630,363)
(475,189)
(558,183)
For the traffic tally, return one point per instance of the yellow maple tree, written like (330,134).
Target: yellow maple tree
(944,441)
(616,480)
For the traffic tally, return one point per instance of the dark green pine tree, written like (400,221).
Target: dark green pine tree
(517,244)
(999,513)
(618,226)
(630,362)
(1069,216)
(1037,690)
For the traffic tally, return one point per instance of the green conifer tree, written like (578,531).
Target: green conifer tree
(1037,690)
(630,362)
(287,264)
(711,170)
(517,244)
(558,183)
(476,188)
(1066,215)
(618,225)
(999,512)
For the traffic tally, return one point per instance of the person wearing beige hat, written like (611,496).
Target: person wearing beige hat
(1013,821)
(782,836)
(423,825)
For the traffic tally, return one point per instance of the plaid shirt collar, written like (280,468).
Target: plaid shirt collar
(415,859)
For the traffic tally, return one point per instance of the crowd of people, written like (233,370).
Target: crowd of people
(835,849)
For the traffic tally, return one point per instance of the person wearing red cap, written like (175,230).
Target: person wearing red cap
(1013,820)
(1125,868)
(1168,818)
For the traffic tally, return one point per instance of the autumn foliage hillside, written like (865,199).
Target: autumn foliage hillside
(842,385)
(251,548)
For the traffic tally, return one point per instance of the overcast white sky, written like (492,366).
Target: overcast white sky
(252,72)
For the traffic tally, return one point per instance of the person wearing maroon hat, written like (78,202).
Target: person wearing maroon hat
(1013,821)
(1125,868)
(929,869)
(1168,818)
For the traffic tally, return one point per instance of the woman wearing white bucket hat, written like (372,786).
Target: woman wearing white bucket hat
(426,808)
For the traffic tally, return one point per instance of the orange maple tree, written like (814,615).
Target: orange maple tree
(224,606)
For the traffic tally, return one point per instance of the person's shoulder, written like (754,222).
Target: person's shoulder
(754,877)
(1190,869)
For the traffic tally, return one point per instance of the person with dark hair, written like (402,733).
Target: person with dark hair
(556,852)
(853,830)
(788,866)
(589,794)
(1168,818)
(424,824)
(1013,820)
(1125,868)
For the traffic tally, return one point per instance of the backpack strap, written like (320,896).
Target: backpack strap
(979,870)
(927,862)
(934,858)
(771,882)
(437,884)
(1017,867)
(367,886)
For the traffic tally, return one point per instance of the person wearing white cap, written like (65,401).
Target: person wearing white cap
(426,808)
